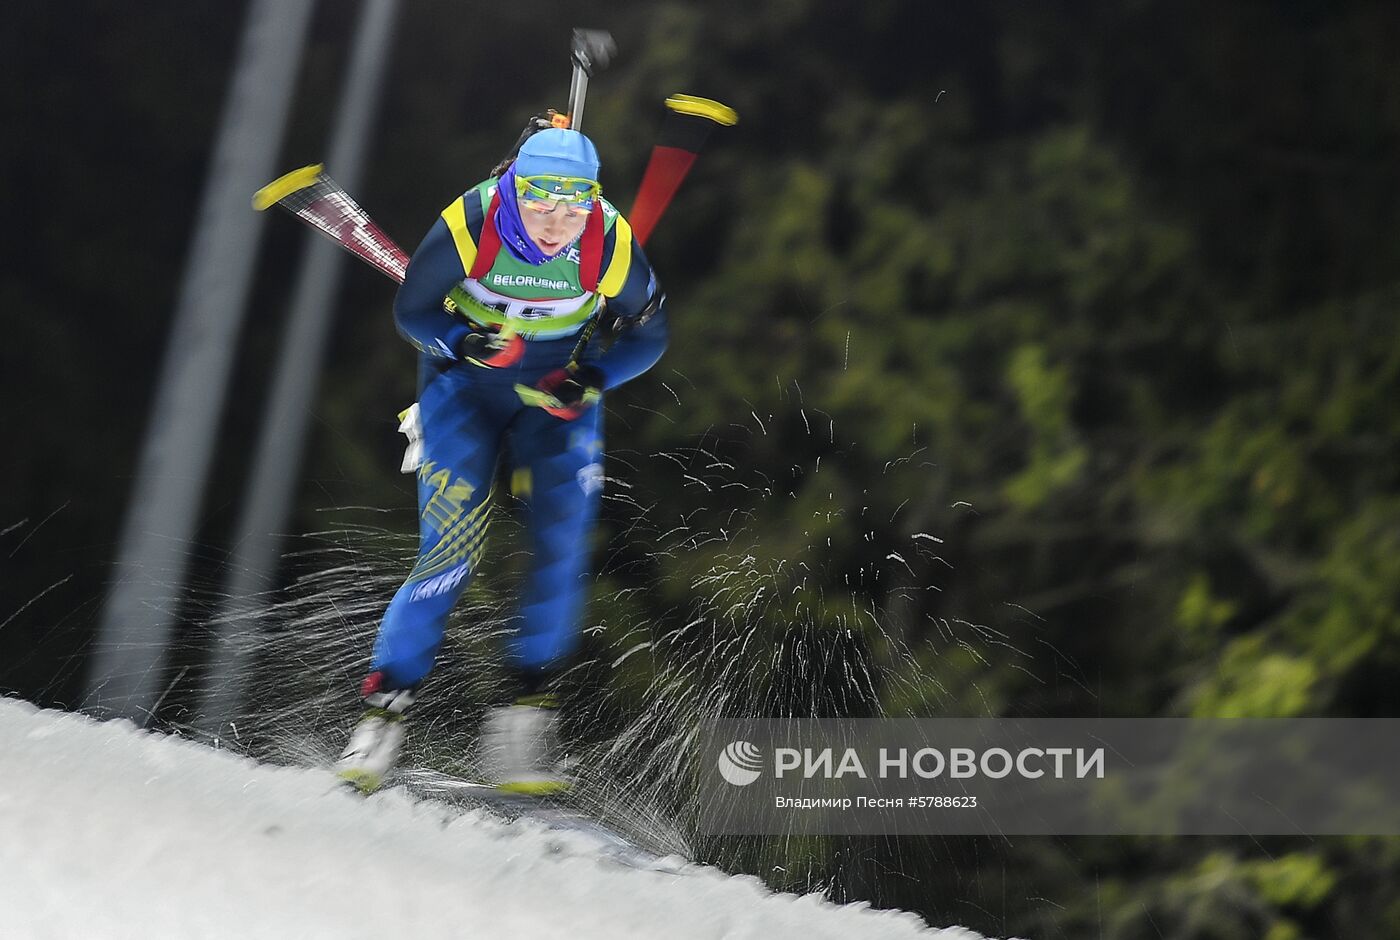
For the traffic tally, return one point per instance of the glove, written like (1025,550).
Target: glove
(411,427)
(491,350)
(565,393)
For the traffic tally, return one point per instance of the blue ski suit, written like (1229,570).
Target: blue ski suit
(471,416)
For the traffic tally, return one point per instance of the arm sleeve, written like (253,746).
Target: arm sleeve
(641,308)
(433,271)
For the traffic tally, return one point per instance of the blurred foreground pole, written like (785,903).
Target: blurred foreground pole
(267,502)
(126,675)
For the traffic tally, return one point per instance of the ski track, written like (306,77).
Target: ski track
(110,832)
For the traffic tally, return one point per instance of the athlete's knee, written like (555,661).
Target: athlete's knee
(428,587)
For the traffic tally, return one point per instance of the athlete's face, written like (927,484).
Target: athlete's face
(551,231)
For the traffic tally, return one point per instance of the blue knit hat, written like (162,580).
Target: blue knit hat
(558,152)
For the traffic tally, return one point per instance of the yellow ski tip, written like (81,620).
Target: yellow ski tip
(362,780)
(703,107)
(535,787)
(282,187)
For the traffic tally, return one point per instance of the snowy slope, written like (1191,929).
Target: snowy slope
(108,832)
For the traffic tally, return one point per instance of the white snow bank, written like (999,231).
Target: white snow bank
(109,832)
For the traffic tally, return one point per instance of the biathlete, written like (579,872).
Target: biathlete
(527,257)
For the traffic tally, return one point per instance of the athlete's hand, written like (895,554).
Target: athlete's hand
(491,350)
(565,393)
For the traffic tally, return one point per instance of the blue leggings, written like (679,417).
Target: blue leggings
(467,414)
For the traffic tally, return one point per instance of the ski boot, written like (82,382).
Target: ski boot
(377,739)
(519,748)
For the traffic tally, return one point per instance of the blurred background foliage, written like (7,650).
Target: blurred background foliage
(1097,302)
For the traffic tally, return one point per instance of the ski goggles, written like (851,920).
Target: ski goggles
(544,194)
